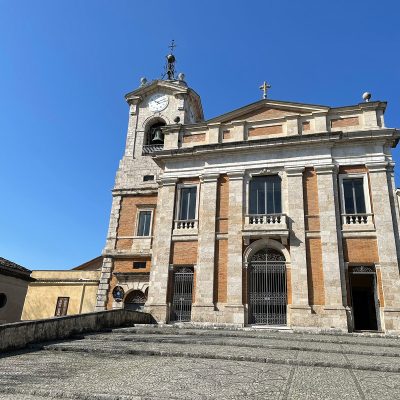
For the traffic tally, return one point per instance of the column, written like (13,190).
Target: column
(203,308)
(106,269)
(297,237)
(234,309)
(332,256)
(158,282)
(386,239)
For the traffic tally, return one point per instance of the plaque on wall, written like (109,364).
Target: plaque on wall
(118,293)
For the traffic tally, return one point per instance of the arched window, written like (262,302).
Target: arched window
(135,300)
(154,135)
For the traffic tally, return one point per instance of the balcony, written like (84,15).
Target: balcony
(151,148)
(186,227)
(358,222)
(266,225)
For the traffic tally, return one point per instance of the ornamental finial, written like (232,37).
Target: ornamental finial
(264,87)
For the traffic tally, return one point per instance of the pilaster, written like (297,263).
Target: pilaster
(203,308)
(386,239)
(158,282)
(104,284)
(297,237)
(234,308)
(332,255)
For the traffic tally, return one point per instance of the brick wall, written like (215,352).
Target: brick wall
(200,137)
(127,217)
(220,271)
(124,265)
(315,275)
(265,130)
(222,204)
(344,122)
(184,253)
(360,250)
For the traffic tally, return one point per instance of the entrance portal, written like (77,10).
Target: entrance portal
(182,295)
(267,288)
(135,300)
(363,293)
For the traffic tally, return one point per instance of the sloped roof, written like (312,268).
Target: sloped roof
(10,268)
(288,107)
(91,265)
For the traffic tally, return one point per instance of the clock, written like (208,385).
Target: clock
(158,102)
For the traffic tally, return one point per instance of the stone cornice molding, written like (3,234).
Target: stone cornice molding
(125,192)
(377,167)
(209,177)
(167,181)
(326,169)
(236,175)
(294,171)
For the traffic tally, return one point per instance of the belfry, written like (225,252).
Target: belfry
(277,214)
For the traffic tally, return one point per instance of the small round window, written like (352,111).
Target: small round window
(3,300)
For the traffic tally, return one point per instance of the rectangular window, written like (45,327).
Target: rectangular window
(354,201)
(265,195)
(62,306)
(144,223)
(139,265)
(187,207)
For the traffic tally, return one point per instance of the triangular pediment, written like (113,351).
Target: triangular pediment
(267,109)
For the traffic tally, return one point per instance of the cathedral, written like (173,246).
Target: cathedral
(277,214)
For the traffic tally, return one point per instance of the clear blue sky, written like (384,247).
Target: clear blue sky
(65,66)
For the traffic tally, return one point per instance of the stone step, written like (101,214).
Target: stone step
(272,343)
(364,339)
(368,362)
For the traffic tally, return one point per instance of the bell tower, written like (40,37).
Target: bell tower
(152,106)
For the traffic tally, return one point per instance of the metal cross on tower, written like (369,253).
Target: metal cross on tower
(264,87)
(172,45)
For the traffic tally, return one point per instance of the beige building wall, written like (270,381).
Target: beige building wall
(41,299)
(15,290)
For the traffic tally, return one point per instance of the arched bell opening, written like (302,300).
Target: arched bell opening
(154,135)
(267,287)
(135,300)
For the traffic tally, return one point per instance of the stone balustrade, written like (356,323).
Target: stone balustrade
(151,148)
(186,224)
(266,222)
(357,219)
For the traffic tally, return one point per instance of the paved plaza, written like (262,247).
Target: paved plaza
(171,363)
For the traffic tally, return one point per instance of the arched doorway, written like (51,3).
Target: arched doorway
(267,290)
(135,300)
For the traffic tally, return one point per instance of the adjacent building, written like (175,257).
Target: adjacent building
(278,213)
(14,280)
(55,293)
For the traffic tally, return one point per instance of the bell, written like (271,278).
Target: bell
(158,136)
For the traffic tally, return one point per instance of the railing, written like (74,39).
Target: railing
(185,224)
(357,219)
(150,148)
(266,219)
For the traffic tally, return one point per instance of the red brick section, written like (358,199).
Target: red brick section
(360,250)
(352,169)
(124,265)
(305,126)
(380,288)
(184,253)
(200,137)
(262,114)
(221,246)
(344,122)
(227,134)
(265,130)
(127,216)
(316,291)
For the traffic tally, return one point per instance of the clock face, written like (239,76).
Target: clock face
(158,102)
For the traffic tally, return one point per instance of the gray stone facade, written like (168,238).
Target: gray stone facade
(264,138)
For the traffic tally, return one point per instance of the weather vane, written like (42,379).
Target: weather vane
(264,87)
(169,70)
(172,45)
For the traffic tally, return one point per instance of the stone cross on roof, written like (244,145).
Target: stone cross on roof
(264,87)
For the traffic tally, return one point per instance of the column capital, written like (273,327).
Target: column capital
(326,169)
(377,166)
(236,175)
(209,177)
(294,171)
(167,181)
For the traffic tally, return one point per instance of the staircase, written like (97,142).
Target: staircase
(147,362)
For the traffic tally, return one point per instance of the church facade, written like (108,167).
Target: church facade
(276,214)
